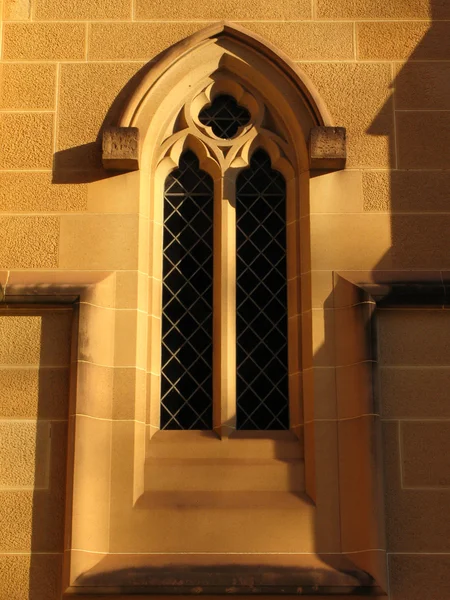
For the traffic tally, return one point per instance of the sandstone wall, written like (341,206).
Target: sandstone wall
(383,69)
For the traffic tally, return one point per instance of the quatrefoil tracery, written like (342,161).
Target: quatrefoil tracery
(223,122)
(225,116)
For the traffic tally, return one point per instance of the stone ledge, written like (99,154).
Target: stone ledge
(327,148)
(120,149)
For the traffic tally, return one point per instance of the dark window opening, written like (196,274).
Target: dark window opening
(224,116)
(261,297)
(186,368)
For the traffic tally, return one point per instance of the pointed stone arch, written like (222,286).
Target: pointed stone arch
(220,48)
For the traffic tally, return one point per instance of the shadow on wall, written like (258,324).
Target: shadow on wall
(418,147)
(49,495)
(416,122)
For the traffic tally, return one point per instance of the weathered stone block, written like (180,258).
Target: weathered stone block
(121,148)
(327,148)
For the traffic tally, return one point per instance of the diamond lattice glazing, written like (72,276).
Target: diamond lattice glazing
(186,377)
(224,116)
(262,374)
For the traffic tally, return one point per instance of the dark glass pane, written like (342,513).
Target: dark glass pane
(224,116)
(261,298)
(186,379)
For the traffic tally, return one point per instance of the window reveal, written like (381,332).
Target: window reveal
(186,373)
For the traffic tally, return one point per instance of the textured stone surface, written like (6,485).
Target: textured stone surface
(416,520)
(419,241)
(26,140)
(136,41)
(90,90)
(26,446)
(24,576)
(26,330)
(35,192)
(327,148)
(410,576)
(28,86)
(423,86)
(374,9)
(33,520)
(414,337)
(16,518)
(44,41)
(33,393)
(120,148)
(368,118)
(308,41)
(29,242)
(425,452)
(403,40)
(223,9)
(55,10)
(43,339)
(406,191)
(417,135)
(415,393)
(16,10)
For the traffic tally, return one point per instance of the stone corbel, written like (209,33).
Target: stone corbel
(327,148)
(120,149)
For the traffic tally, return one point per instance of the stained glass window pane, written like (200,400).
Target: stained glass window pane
(186,377)
(224,116)
(262,357)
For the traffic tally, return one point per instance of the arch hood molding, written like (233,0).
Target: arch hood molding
(225,49)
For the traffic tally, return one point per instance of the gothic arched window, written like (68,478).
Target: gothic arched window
(236,221)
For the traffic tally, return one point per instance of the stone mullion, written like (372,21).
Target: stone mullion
(224,308)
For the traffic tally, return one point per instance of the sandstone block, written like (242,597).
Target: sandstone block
(368,118)
(425,448)
(88,89)
(25,445)
(30,576)
(99,242)
(284,10)
(412,40)
(56,10)
(308,41)
(16,10)
(29,242)
(406,191)
(389,9)
(410,576)
(418,133)
(423,86)
(327,148)
(413,337)
(44,41)
(415,393)
(34,393)
(35,192)
(136,41)
(20,90)
(26,140)
(121,148)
